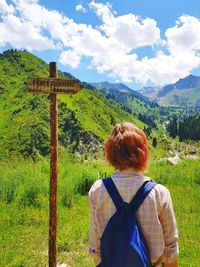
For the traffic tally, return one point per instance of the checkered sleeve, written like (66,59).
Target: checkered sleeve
(94,238)
(170,232)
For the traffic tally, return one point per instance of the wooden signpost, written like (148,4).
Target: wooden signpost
(52,86)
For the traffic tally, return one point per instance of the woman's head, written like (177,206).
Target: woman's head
(127,147)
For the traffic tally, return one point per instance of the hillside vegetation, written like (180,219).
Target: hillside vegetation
(84,119)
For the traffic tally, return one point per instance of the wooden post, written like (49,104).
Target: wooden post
(53,173)
(52,86)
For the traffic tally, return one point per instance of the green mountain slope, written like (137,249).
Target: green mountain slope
(95,113)
(135,102)
(132,101)
(181,98)
(85,119)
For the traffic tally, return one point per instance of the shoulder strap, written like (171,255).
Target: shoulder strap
(141,195)
(135,202)
(113,192)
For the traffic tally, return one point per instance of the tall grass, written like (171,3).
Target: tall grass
(26,183)
(24,204)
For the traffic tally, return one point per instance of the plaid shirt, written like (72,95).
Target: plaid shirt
(155,216)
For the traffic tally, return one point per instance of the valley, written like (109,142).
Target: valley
(85,121)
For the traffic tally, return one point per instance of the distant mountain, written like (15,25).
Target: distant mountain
(183,93)
(118,88)
(190,82)
(150,92)
(132,101)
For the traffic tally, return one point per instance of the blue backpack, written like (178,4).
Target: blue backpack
(122,242)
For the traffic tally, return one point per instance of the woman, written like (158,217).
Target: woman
(127,151)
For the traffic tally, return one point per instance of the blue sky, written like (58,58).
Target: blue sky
(138,43)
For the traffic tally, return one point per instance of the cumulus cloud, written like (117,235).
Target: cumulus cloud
(23,35)
(5,8)
(19,31)
(184,37)
(81,8)
(71,58)
(111,47)
(104,11)
(129,29)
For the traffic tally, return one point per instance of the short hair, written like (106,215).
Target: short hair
(127,147)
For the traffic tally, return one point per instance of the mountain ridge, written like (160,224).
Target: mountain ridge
(184,92)
(188,82)
(120,87)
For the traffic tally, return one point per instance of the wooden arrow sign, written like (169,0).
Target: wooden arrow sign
(53,85)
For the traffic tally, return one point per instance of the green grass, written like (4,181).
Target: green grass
(24,187)
(183,181)
(24,195)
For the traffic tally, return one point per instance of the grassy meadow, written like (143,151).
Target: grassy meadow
(24,194)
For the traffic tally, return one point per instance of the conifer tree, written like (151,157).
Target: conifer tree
(154,142)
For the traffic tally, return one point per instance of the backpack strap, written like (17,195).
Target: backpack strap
(113,192)
(141,195)
(135,202)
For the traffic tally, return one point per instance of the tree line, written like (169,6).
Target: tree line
(189,128)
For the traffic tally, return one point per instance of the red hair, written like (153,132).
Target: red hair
(127,147)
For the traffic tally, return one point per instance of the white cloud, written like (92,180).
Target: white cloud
(111,47)
(184,36)
(5,8)
(23,35)
(81,8)
(163,68)
(71,58)
(129,29)
(21,32)
(104,11)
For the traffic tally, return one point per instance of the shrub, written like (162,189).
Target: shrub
(83,185)
(28,195)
